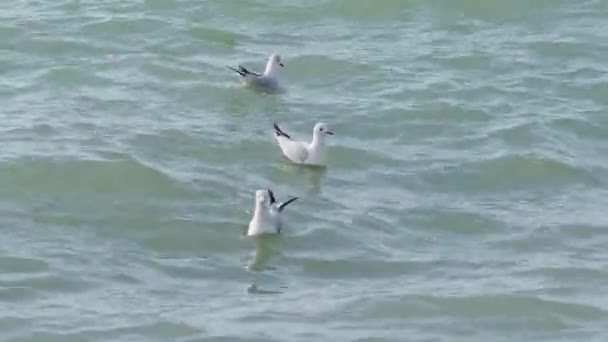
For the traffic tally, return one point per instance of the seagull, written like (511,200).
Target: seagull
(268,80)
(301,152)
(267,214)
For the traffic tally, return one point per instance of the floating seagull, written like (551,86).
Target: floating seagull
(267,214)
(301,152)
(269,79)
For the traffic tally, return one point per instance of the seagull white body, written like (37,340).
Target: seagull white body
(301,152)
(268,80)
(267,214)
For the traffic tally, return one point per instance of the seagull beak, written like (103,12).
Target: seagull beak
(330,133)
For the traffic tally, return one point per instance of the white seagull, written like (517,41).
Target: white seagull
(267,214)
(301,152)
(268,80)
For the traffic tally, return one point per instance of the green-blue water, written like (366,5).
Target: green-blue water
(465,196)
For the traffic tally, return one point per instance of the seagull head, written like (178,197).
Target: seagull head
(261,196)
(321,130)
(276,59)
(272,67)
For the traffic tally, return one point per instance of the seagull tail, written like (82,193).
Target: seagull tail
(279,132)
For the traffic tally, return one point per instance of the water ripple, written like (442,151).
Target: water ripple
(463,196)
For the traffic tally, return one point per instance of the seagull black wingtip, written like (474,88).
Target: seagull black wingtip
(271,195)
(236,70)
(279,132)
(286,203)
(247,72)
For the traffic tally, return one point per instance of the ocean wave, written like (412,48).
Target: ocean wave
(218,36)
(70,175)
(21,265)
(509,172)
(353,268)
(481,307)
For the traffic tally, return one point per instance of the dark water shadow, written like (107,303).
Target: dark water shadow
(253,289)
(267,90)
(261,90)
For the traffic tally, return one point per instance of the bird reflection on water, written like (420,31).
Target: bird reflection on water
(266,246)
(314,173)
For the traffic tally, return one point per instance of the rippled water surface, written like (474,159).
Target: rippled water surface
(465,198)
